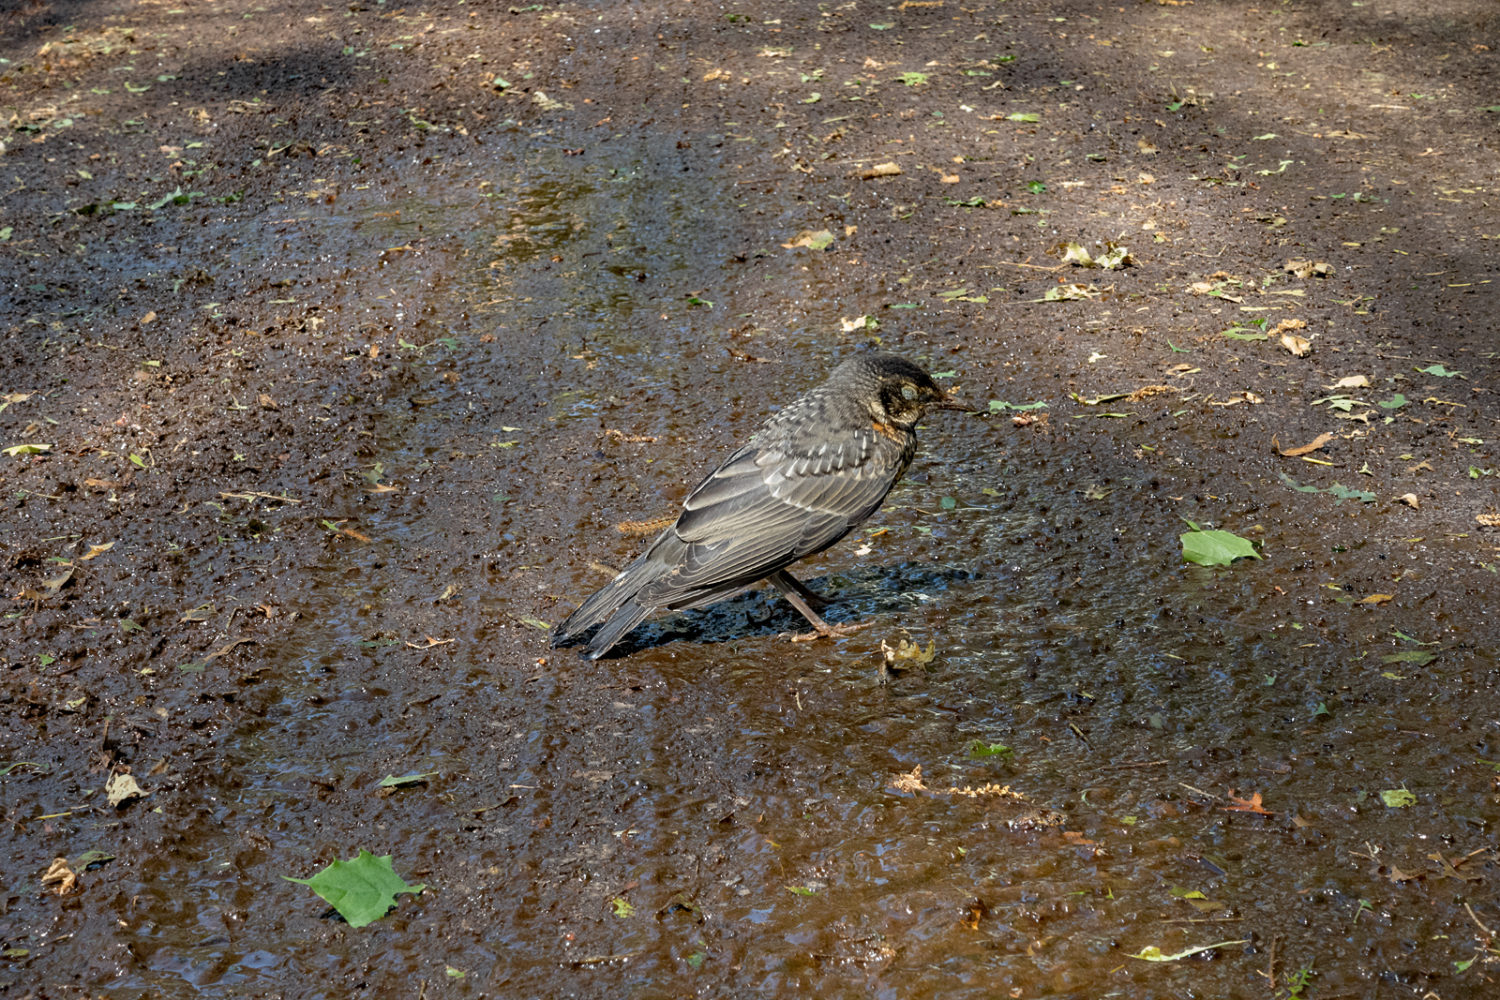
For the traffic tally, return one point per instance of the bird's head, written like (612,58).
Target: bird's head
(904,392)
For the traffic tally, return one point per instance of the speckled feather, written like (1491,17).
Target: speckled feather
(812,472)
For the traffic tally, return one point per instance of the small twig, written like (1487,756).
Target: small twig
(1135,764)
(1474,917)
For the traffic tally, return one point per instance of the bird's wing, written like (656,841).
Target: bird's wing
(768,506)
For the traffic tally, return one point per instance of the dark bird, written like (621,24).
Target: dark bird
(811,473)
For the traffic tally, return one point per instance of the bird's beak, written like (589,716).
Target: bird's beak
(952,402)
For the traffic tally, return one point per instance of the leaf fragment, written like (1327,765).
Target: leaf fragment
(1151,953)
(1306,449)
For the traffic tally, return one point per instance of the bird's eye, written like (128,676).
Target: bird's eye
(909,393)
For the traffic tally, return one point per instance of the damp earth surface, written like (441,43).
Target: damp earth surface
(340,340)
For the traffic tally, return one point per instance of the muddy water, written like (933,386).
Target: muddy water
(718,810)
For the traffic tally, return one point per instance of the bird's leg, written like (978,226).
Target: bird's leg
(824,630)
(788,584)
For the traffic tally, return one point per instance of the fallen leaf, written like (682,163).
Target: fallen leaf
(96,550)
(1151,953)
(1069,293)
(819,239)
(1215,548)
(1377,599)
(122,788)
(1305,449)
(1299,346)
(1350,382)
(1410,499)
(1397,875)
(428,642)
(1146,391)
(880,170)
(1306,268)
(1250,805)
(61,876)
(1488,520)
(56,583)
(909,783)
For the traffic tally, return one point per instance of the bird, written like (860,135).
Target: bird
(814,470)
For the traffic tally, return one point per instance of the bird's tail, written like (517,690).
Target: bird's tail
(615,605)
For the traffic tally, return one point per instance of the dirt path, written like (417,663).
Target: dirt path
(337,340)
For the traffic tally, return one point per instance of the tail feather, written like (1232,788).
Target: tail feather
(613,603)
(618,626)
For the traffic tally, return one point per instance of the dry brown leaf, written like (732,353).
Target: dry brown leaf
(121,788)
(96,550)
(1488,520)
(1250,805)
(1306,268)
(61,876)
(910,783)
(1299,346)
(1306,449)
(1397,875)
(149,318)
(717,74)
(1377,599)
(1146,391)
(1145,148)
(1410,499)
(880,170)
(1350,382)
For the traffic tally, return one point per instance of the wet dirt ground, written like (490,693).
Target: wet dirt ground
(353,331)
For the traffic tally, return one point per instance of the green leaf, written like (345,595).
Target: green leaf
(1440,372)
(622,907)
(801,890)
(979,748)
(887,26)
(948,503)
(1245,333)
(1151,953)
(27,449)
(390,781)
(1395,402)
(1416,657)
(361,890)
(912,79)
(1021,116)
(1398,798)
(1036,187)
(1215,548)
(1000,405)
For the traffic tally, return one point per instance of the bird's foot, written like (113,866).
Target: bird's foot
(828,632)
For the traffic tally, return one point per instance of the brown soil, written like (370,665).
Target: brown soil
(352,331)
